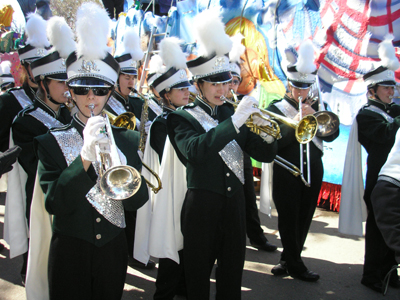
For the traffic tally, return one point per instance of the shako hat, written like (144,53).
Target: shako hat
(301,70)
(131,52)
(383,71)
(174,59)
(5,73)
(37,43)
(156,69)
(91,64)
(52,65)
(234,55)
(212,64)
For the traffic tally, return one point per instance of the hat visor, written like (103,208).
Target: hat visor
(59,77)
(129,72)
(300,85)
(181,85)
(92,82)
(387,83)
(218,78)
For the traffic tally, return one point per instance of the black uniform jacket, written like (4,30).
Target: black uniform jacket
(128,104)
(9,108)
(25,128)
(377,136)
(199,150)
(65,187)
(158,132)
(288,146)
(137,104)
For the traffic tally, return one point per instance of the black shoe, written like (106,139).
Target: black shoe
(267,246)
(133,263)
(280,269)
(1,247)
(307,275)
(376,286)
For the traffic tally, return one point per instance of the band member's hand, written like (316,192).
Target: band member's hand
(93,134)
(257,120)
(8,158)
(306,110)
(247,106)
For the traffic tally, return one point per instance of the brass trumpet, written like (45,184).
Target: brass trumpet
(305,129)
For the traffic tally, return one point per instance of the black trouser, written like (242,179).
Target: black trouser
(253,224)
(130,220)
(296,205)
(213,228)
(109,5)
(170,278)
(81,271)
(378,257)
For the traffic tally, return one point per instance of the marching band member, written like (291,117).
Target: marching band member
(296,205)
(209,140)
(47,112)
(173,87)
(16,99)
(88,248)
(377,124)
(253,225)
(120,102)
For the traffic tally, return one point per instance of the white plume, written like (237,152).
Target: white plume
(5,67)
(132,44)
(305,61)
(387,53)
(61,36)
(172,54)
(210,33)
(156,64)
(291,56)
(237,48)
(36,30)
(92,28)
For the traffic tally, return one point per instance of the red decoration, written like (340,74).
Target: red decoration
(16,68)
(329,196)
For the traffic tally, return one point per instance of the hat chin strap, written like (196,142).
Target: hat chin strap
(46,87)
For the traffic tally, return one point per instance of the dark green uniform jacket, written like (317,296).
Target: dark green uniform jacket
(65,187)
(128,104)
(9,108)
(377,136)
(25,128)
(159,132)
(137,108)
(199,150)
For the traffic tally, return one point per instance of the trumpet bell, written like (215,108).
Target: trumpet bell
(306,129)
(120,182)
(328,123)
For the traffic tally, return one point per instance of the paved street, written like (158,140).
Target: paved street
(336,257)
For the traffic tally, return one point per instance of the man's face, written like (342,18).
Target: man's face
(385,93)
(126,82)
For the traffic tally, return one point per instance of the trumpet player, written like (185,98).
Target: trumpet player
(209,139)
(88,252)
(48,111)
(377,123)
(253,225)
(296,205)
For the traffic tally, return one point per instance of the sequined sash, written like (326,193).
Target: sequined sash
(381,112)
(22,97)
(47,120)
(116,106)
(290,112)
(155,107)
(232,154)
(71,143)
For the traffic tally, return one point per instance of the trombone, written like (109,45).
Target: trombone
(128,120)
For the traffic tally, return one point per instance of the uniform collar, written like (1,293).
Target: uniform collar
(120,98)
(292,102)
(78,124)
(378,103)
(29,91)
(40,103)
(167,109)
(206,107)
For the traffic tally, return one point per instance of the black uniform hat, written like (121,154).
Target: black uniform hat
(37,44)
(5,74)
(301,70)
(91,64)
(212,64)
(53,65)
(382,72)
(131,52)
(175,76)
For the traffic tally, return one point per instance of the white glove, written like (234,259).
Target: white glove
(247,106)
(147,126)
(266,137)
(257,120)
(93,136)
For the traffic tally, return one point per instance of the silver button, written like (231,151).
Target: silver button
(305,151)
(229,189)
(98,220)
(98,236)
(227,174)
(305,163)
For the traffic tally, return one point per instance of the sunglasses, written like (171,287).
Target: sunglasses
(84,90)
